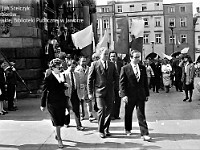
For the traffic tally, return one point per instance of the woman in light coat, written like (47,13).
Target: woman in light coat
(187,77)
(166,72)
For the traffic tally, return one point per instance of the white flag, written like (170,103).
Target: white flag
(104,41)
(185,50)
(83,38)
(166,56)
(137,28)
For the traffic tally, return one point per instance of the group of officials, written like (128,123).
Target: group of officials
(107,83)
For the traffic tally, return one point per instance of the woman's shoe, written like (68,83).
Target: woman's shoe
(60,144)
(1,113)
(185,99)
(5,112)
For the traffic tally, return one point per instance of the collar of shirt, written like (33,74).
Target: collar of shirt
(134,66)
(59,77)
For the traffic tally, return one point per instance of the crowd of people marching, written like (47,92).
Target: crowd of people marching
(70,83)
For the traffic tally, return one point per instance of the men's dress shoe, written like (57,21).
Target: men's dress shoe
(190,100)
(107,133)
(15,107)
(102,135)
(11,109)
(117,118)
(112,118)
(185,99)
(91,119)
(146,138)
(80,128)
(128,133)
(66,126)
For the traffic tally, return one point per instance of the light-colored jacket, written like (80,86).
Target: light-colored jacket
(68,91)
(83,74)
(189,74)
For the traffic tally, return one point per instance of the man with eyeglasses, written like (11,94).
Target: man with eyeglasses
(134,92)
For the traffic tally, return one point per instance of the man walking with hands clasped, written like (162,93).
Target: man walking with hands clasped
(134,91)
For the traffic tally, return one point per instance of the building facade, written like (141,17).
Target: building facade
(26,25)
(105,21)
(197,34)
(179,29)
(151,11)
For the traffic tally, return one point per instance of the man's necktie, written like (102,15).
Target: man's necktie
(105,65)
(72,79)
(137,73)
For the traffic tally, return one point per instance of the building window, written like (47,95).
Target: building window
(158,22)
(198,40)
(102,9)
(183,38)
(106,24)
(182,9)
(156,6)
(171,22)
(144,7)
(183,22)
(146,39)
(171,9)
(132,7)
(119,8)
(172,39)
(130,23)
(146,23)
(158,38)
(97,24)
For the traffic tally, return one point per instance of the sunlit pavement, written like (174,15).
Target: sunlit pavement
(173,124)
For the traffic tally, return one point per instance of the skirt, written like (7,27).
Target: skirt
(57,113)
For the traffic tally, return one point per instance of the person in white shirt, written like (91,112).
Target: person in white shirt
(166,71)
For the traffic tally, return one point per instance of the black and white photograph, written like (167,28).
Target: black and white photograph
(99,74)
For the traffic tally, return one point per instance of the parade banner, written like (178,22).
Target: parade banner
(122,44)
(137,32)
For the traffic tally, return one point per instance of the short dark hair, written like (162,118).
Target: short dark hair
(112,52)
(189,58)
(132,52)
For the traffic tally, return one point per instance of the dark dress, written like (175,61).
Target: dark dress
(53,94)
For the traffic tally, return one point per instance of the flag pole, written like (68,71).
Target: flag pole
(15,71)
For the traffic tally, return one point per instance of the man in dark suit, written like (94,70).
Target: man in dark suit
(134,92)
(101,79)
(117,99)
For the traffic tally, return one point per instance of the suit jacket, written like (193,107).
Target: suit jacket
(53,92)
(129,86)
(68,91)
(101,82)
